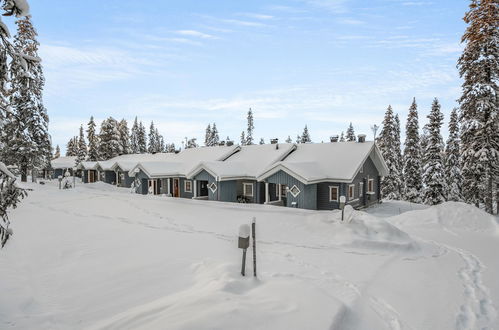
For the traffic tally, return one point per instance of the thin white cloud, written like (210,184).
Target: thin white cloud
(197,34)
(257,16)
(244,23)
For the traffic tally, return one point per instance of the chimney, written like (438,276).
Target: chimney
(274,141)
(334,138)
(362,138)
(230,143)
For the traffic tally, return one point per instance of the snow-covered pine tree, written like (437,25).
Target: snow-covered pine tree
(57,153)
(109,139)
(134,137)
(243,138)
(390,186)
(434,172)
(159,138)
(161,144)
(453,160)
(93,141)
(72,147)
(141,138)
(342,137)
(82,147)
(305,136)
(288,140)
(398,150)
(479,103)
(26,141)
(262,141)
(412,169)
(170,147)
(207,136)
(10,196)
(351,133)
(298,138)
(215,139)
(251,127)
(152,137)
(191,143)
(124,137)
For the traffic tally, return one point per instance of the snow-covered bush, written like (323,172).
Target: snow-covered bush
(10,195)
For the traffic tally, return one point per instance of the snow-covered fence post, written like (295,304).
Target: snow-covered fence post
(342,206)
(60,181)
(243,243)
(253,229)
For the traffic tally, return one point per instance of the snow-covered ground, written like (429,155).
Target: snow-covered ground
(98,257)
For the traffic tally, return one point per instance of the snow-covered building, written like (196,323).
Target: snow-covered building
(89,171)
(315,176)
(169,175)
(235,178)
(61,165)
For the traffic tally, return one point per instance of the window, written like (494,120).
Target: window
(361,189)
(334,194)
(248,189)
(294,191)
(351,191)
(188,186)
(283,191)
(370,185)
(213,187)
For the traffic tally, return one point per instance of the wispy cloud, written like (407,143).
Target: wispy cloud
(257,16)
(244,23)
(197,34)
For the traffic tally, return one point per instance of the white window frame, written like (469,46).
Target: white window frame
(246,184)
(291,191)
(283,191)
(337,193)
(370,182)
(352,186)
(361,189)
(185,186)
(213,187)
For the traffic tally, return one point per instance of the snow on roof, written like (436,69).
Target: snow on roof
(337,161)
(64,162)
(180,164)
(87,165)
(248,162)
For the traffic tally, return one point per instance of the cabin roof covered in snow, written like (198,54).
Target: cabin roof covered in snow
(64,162)
(336,161)
(247,163)
(180,164)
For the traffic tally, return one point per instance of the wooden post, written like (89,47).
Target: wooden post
(267,197)
(253,228)
(243,267)
(195,188)
(168,188)
(279,188)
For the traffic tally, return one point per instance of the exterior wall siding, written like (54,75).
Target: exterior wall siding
(306,199)
(183,193)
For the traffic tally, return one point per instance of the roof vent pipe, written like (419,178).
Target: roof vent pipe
(334,138)
(362,138)
(274,141)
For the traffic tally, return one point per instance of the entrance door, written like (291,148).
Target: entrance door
(91,176)
(203,188)
(176,192)
(152,187)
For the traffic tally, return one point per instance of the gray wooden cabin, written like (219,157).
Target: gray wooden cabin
(61,165)
(315,175)
(235,178)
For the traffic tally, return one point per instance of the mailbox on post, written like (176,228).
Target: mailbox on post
(343,200)
(243,243)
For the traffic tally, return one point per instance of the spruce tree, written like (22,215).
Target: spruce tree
(342,137)
(93,141)
(161,144)
(142,140)
(134,137)
(433,171)
(453,160)
(479,102)
(412,168)
(152,137)
(82,147)
(10,196)
(398,151)
(262,141)
(390,186)
(288,140)
(207,136)
(350,133)
(124,137)
(57,153)
(191,143)
(305,137)
(109,139)
(25,141)
(251,127)
(72,147)
(243,138)
(215,139)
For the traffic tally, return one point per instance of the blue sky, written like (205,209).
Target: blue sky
(187,63)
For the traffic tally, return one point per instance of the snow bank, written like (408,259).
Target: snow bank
(450,216)
(222,299)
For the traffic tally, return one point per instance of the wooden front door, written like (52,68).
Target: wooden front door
(91,176)
(176,192)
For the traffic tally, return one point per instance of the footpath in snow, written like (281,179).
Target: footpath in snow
(98,257)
